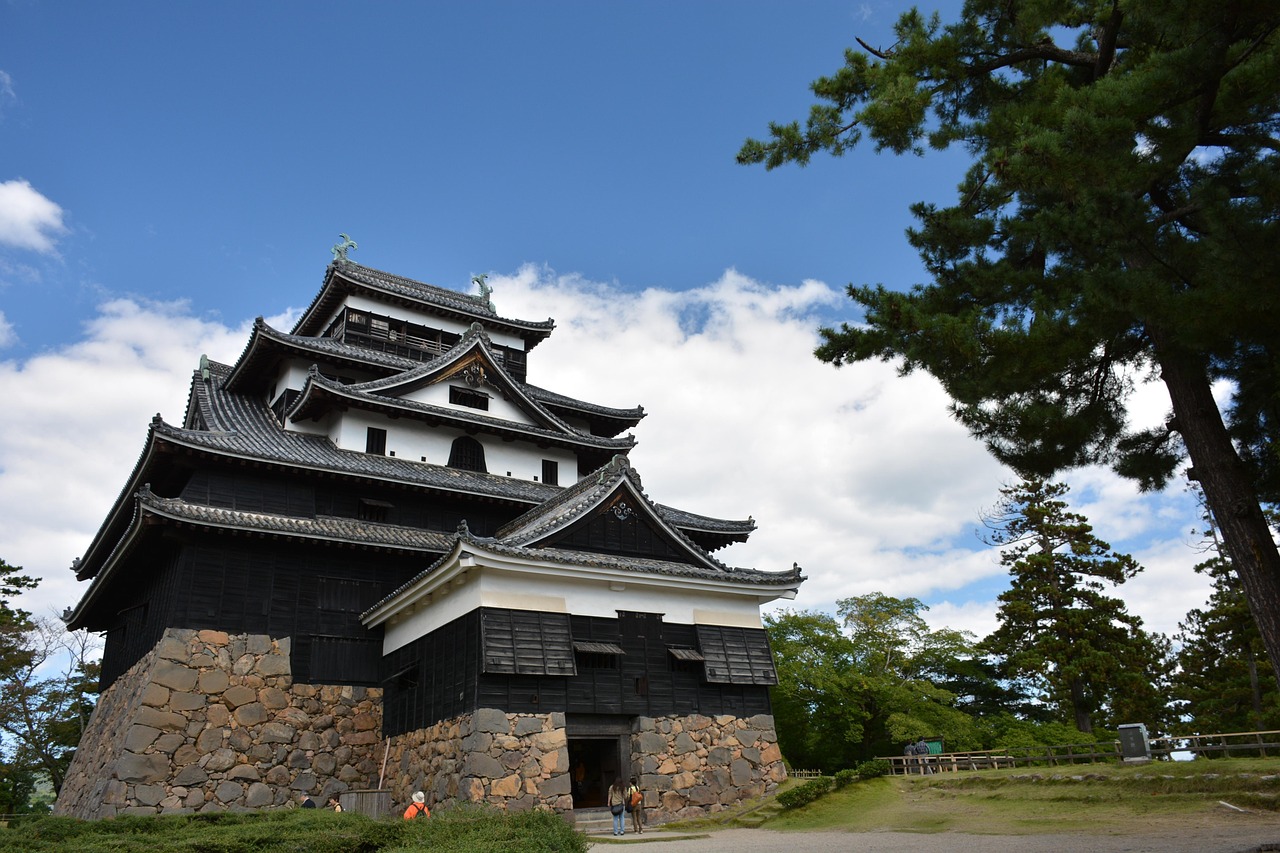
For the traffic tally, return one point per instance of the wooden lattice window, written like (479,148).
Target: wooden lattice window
(467,397)
(376,441)
(467,454)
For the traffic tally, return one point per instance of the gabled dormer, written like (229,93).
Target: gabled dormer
(462,410)
(607,512)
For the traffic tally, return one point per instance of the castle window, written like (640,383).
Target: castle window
(376,441)
(467,397)
(368,509)
(467,454)
(597,655)
(736,655)
(550,472)
(686,660)
(526,642)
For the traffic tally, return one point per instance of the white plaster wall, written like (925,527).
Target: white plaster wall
(564,593)
(416,442)
(499,407)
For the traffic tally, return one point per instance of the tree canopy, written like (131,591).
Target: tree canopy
(1118,223)
(1059,627)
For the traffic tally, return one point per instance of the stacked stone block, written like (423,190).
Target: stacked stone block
(208,721)
(691,766)
(512,761)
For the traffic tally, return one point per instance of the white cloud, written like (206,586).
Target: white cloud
(28,220)
(74,424)
(8,336)
(858,475)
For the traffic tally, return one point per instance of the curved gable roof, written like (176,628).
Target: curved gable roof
(589,498)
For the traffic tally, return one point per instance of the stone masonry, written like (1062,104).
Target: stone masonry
(692,766)
(207,721)
(513,761)
(210,721)
(689,766)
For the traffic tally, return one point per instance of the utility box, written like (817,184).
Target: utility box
(1134,745)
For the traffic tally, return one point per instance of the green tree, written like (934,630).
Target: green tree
(1222,678)
(1058,627)
(1118,222)
(818,727)
(46,701)
(14,623)
(858,687)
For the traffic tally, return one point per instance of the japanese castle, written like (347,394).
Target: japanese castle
(373,557)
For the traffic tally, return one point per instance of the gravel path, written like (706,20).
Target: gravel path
(1252,834)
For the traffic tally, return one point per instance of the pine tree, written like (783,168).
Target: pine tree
(1118,223)
(1058,626)
(1223,680)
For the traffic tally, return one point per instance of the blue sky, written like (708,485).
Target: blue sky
(168,171)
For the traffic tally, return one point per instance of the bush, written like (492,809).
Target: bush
(846,777)
(872,769)
(457,830)
(804,794)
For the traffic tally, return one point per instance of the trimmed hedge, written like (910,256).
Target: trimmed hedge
(804,794)
(873,769)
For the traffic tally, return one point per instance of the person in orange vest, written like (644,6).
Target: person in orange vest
(418,808)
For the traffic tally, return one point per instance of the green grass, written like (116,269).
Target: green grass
(1083,798)
(461,830)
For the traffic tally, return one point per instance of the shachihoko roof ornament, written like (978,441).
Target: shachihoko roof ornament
(486,290)
(340,249)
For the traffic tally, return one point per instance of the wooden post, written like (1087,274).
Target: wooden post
(382,774)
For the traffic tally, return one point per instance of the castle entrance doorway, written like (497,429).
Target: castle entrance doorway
(599,752)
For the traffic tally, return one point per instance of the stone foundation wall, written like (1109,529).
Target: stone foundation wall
(209,721)
(513,761)
(691,766)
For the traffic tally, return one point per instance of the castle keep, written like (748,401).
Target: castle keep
(372,551)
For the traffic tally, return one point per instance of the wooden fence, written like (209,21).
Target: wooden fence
(1265,744)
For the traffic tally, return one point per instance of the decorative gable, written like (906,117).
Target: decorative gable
(620,526)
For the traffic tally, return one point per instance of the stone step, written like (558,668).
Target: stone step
(597,821)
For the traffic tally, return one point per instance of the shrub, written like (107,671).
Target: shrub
(455,830)
(873,769)
(846,777)
(806,793)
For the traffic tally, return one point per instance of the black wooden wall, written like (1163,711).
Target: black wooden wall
(310,593)
(449,672)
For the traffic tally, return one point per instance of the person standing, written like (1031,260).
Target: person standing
(305,801)
(617,805)
(418,808)
(635,801)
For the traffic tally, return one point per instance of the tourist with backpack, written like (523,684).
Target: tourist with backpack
(418,808)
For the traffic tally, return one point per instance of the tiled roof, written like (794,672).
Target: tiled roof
(147,504)
(319,392)
(563,401)
(584,496)
(640,565)
(264,336)
(342,275)
(322,527)
(244,427)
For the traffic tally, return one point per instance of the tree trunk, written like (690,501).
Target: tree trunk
(1228,488)
(1080,707)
